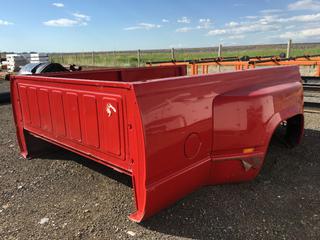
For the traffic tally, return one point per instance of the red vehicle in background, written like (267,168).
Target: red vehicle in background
(170,132)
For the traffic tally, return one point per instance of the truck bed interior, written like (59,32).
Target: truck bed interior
(125,74)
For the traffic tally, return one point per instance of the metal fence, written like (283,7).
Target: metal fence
(140,57)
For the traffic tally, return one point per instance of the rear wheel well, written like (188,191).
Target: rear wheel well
(293,130)
(289,131)
(287,134)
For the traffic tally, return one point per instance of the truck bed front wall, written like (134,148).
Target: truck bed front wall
(126,74)
(89,119)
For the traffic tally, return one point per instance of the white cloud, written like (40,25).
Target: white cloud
(184,29)
(165,20)
(144,26)
(305,5)
(82,17)
(58,5)
(184,20)
(273,25)
(243,28)
(251,17)
(290,27)
(78,20)
(232,24)
(217,32)
(5,23)
(303,34)
(204,23)
(270,11)
(236,37)
(61,22)
(304,18)
(299,18)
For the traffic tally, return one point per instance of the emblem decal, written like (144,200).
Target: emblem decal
(110,109)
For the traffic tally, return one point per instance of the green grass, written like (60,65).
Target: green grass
(130,59)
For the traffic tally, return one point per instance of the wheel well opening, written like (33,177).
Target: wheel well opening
(290,131)
(286,135)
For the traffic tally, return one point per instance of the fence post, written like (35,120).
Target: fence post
(61,57)
(219,55)
(138,57)
(92,58)
(173,57)
(106,63)
(114,58)
(219,50)
(289,48)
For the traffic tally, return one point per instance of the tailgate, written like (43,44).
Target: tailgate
(90,119)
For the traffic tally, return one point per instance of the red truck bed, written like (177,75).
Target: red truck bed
(172,133)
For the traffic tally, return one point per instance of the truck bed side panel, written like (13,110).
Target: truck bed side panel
(187,122)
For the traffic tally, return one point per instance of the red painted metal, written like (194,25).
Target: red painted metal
(172,133)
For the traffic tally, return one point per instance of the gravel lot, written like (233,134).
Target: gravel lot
(64,196)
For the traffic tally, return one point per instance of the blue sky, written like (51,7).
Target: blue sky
(93,25)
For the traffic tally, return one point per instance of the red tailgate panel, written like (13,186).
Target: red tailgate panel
(76,118)
(91,123)
(58,117)
(44,109)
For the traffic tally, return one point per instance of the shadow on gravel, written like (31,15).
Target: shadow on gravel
(5,98)
(281,203)
(58,153)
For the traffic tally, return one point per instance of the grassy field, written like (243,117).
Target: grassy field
(130,58)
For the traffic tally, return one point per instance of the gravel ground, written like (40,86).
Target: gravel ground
(4,86)
(64,196)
